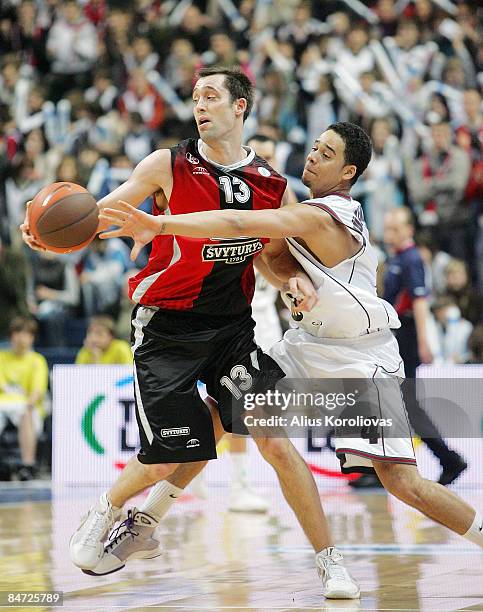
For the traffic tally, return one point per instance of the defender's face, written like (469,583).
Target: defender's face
(325,167)
(215,113)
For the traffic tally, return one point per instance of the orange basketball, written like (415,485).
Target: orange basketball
(63,217)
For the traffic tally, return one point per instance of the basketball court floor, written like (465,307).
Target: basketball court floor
(217,560)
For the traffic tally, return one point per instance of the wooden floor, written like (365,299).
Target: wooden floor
(217,560)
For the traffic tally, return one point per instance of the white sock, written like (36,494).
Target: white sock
(104,503)
(475,532)
(160,499)
(239,470)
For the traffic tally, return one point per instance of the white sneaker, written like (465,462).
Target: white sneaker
(336,580)
(132,539)
(87,543)
(243,499)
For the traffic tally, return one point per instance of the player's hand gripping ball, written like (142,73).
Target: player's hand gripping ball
(63,217)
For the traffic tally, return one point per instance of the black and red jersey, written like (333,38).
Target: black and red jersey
(207,275)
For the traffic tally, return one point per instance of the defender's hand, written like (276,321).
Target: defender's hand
(26,235)
(134,223)
(303,292)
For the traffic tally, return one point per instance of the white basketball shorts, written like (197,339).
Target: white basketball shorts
(374,357)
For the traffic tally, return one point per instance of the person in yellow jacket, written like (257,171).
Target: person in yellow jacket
(101,345)
(24,377)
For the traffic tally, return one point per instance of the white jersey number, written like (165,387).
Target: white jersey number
(242,194)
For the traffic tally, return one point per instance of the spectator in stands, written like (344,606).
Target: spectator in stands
(141,97)
(10,85)
(53,295)
(68,170)
(181,54)
(103,267)
(194,28)
(118,36)
(302,30)
(22,185)
(458,287)
(224,53)
(45,159)
(435,262)
(101,345)
(13,287)
(382,177)
(356,57)
(141,55)
(138,142)
(29,109)
(437,181)
(453,331)
(23,387)
(72,48)
(103,91)
(469,136)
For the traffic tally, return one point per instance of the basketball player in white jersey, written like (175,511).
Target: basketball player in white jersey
(348,332)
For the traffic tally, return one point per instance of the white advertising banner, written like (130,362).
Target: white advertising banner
(95,432)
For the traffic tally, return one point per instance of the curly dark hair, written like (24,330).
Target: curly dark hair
(237,83)
(358,146)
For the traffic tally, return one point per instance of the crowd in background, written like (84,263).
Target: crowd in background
(89,88)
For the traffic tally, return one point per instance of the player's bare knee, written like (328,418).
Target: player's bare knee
(159,471)
(403,481)
(274,450)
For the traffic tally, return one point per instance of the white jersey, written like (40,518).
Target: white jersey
(348,305)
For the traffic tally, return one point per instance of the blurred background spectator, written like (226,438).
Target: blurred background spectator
(87,89)
(23,386)
(101,344)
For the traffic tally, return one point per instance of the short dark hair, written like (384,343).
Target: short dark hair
(237,83)
(19,324)
(262,138)
(358,146)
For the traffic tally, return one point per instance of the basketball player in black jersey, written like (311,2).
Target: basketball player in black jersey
(193,322)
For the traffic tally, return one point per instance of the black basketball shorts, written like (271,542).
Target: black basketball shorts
(172,351)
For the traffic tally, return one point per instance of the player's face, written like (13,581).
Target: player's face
(325,169)
(214,112)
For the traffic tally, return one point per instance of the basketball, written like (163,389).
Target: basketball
(63,217)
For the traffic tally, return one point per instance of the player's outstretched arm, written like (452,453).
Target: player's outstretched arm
(293,220)
(151,175)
